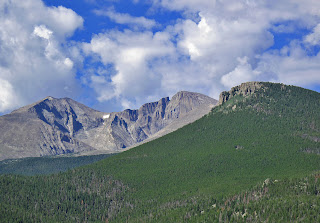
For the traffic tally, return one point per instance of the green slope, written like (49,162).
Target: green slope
(272,133)
(46,165)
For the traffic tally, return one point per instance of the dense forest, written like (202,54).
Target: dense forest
(254,158)
(47,164)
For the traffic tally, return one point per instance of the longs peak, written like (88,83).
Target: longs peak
(55,126)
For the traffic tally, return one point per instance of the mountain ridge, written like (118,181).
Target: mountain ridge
(53,126)
(227,166)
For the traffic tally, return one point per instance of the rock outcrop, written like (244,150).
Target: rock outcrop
(244,89)
(59,126)
(129,127)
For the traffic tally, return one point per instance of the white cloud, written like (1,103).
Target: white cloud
(64,21)
(214,45)
(126,104)
(68,62)
(102,87)
(242,73)
(222,38)
(291,65)
(124,18)
(275,11)
(33,63)
(133,55)
(186,4)
(42,31)
(229,31)
(217,45)
(8,99)
(314,37)
(227,44)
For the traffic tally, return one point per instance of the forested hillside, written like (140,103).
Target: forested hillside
(46,165)
(258,148)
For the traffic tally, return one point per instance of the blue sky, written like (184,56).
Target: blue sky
(114,54)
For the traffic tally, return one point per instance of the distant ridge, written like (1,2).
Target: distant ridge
(54,126)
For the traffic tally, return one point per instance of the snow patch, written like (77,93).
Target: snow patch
(106,116)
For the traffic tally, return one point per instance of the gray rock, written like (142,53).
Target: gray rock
(59,126)
(46,128)
(244,89)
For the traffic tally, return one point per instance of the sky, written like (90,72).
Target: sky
(117,54)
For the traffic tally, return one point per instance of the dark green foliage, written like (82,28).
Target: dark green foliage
(200,173)
(46,165)
(67,197)
(287,200)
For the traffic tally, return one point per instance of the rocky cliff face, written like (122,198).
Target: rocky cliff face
(47,127)
(58,126)
(243,89)
(133,126)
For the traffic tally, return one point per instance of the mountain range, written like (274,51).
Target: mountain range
(253,158)
(63,126)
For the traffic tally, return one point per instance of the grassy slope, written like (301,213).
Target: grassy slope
(177,176)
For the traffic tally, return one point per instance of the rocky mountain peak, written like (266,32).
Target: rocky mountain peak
(184,101)
(133,126)
(46,103)
(49,98)
(182,94)
(54,126)
(244,89)
(187,94)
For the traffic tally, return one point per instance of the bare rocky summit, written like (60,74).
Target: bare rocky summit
(59,126)
(244,89)
(47,127)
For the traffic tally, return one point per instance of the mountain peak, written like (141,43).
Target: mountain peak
(184,93)
(187,95)
(48,98)
(42,102)
(54,126)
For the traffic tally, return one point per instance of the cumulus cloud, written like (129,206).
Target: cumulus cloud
(226,44)
(314,37)
(186,4)
(229,42)
(132,54)
(214,46)
(124,18)
(8,98)
(242,73)
(291,65)
(64,21)
(219,42)
(42,31)
(33,62)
